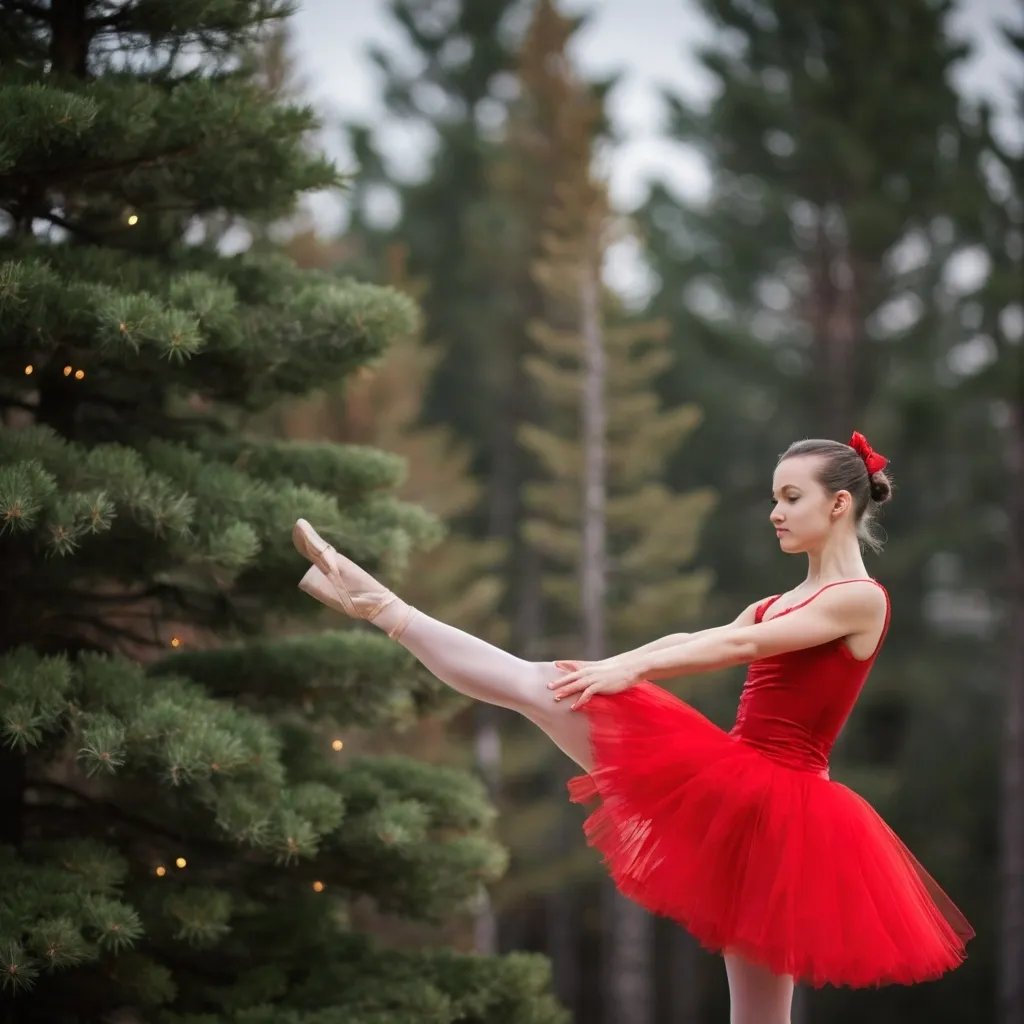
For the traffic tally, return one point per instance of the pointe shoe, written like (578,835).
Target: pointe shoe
(325,581)
(318,586)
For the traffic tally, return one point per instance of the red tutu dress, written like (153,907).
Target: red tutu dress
(742,838)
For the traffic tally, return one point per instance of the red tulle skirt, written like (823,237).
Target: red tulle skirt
(780,865)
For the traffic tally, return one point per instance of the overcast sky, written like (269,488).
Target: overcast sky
(648,41)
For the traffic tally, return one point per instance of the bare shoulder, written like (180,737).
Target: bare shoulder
(860,602)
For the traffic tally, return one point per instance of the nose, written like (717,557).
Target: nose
(776,517)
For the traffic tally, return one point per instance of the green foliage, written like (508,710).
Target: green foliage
(802,291)
(368,986)
(176,836)
(590,357)
(447,215)
(653,533)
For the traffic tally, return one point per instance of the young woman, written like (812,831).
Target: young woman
(741,837)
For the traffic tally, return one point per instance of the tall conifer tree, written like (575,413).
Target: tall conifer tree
(179,841)
(613,536)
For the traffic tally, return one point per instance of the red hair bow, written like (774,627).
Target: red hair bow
(874,461)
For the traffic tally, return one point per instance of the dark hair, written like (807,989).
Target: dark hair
(842,469)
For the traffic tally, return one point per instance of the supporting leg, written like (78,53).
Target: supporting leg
(757,996)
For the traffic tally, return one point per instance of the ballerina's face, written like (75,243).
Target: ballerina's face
(804,513)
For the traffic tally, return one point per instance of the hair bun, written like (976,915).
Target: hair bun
(881,488)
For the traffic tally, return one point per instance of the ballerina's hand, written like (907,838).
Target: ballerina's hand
(593,677)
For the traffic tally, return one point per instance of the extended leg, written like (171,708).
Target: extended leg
(487,673)
(466,663)
(756,996)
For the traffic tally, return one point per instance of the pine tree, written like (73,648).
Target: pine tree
(481,295)
(779,287)
(382,406)
(467,53)
(446,221)
(593,355)
(179,844)
(543,838)
(457,579)
(616,539)
(653,532)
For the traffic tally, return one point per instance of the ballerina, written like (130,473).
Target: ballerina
(741,837)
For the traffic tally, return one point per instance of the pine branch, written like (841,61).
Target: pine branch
(83,174)
(119,634)
(97,805)
(61,222)
(74,596)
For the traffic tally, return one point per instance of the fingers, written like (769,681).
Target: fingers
(574,685)
(589,692)
(570,666)
(573,669)
(579,678)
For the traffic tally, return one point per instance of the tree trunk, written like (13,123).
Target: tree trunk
(487,739)
(800,1013)
(503,515)
(833,318)
(1011,990)
(629,971)
(593,426)
(561,918)
(683,993)
(70,37)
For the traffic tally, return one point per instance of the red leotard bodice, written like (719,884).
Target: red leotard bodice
(794,705)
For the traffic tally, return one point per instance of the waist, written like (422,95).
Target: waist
(787,745)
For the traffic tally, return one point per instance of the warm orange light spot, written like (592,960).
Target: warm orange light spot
(318,887)
(181,862)
(338,744)
(161,871)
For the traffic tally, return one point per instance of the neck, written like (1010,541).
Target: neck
(839,559)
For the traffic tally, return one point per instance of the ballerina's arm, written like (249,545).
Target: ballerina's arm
(832,614)
(745,618)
